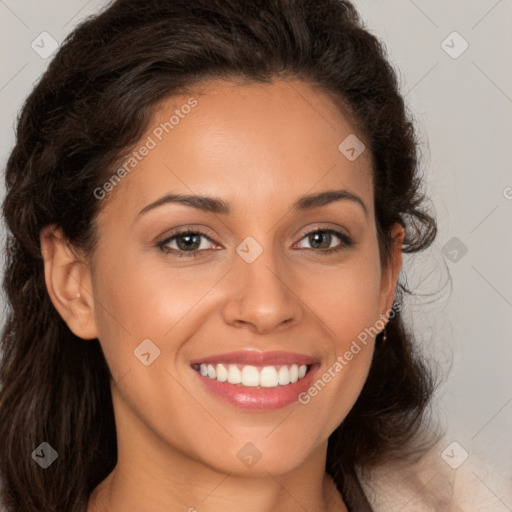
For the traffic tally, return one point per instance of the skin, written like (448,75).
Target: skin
(259,147)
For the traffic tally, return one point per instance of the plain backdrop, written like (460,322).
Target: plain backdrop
(454,64)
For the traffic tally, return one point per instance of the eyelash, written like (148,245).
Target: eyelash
(346,242)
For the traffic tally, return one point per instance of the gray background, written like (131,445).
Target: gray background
(461,312)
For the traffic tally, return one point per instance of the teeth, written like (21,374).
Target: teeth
(283,376)
(252,376)
(268,377)
(294,373)
(234,374)
(222,373)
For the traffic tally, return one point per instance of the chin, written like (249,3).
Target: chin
(260,457)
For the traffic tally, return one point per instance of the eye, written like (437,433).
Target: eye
(191,243)
(322,239)
(186,243)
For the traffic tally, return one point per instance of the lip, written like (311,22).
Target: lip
(258,398)
(257,358)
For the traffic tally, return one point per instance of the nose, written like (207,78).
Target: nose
(261,296)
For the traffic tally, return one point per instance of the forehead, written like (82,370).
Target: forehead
(246,143)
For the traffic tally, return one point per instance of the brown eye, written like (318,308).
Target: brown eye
(187,243)
(322,239)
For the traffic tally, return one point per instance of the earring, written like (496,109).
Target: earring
(384,335)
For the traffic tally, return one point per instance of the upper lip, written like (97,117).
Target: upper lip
(257,358)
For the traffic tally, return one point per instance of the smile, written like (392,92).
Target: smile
(256,380)
(253,376)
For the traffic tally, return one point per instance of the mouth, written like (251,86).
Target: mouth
(256,380)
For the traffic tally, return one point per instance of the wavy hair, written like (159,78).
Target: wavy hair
(87,110)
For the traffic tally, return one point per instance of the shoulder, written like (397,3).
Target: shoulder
(444,479)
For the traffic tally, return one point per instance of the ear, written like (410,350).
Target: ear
(68,281)
(391,269)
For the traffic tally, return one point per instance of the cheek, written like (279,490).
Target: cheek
(346,298)
(143,295)
(346,301)
(139,298)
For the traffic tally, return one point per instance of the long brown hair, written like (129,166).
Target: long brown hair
(91,105)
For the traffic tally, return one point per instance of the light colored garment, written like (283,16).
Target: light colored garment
(432,485)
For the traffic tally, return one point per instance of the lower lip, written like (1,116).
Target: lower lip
(257,398)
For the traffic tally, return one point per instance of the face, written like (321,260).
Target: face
(264,286)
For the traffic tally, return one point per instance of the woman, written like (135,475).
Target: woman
(207,203)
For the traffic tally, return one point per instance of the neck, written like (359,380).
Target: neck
(229,494)
(174,482)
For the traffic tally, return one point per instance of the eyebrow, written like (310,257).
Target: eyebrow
(217,205)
